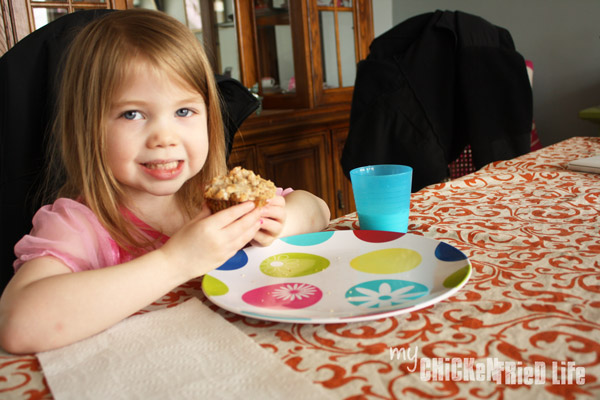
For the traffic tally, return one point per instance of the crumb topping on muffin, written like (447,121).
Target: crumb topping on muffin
(240,185)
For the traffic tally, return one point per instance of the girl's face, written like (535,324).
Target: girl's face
(157,135)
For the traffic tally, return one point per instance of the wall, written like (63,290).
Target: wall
(561,37)
(382,16)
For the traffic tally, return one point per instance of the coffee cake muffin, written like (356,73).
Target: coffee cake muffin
(238,186)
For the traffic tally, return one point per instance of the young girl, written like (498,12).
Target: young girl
(141,134)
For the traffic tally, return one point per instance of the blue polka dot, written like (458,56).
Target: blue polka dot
(236,262)
(308,239)
(445,252)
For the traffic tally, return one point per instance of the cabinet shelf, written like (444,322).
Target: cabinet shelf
(272,18)
(332,8)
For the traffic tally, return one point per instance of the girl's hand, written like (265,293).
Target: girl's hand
(273,217)
(207,241)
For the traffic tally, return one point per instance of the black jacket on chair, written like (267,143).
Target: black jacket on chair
(430,86)
(28,76)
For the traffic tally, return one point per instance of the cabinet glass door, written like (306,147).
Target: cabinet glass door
(339,44)
(45,15)
(336,24)
(274,47)
(46,11)
(213,23)
(277,68)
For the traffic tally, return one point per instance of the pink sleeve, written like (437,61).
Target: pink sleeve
(71,232)
(283,192)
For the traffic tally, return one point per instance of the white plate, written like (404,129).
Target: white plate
(338,276)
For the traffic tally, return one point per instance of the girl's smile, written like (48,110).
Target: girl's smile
(163,169)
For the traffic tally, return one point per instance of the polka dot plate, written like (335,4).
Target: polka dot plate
(338,276)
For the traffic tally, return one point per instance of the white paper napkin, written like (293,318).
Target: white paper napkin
(589,164)
(185,352)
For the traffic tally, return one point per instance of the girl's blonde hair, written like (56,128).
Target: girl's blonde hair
(95,68)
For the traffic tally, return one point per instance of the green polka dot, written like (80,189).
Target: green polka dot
(387,261)
(456,278)
(287,265)
(213,286)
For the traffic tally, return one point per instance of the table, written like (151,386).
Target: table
(531,229)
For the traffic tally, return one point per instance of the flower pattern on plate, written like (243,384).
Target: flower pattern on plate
(294,291)
(283,296)
(385,293)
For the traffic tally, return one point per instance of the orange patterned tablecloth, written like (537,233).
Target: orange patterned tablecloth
(526,325)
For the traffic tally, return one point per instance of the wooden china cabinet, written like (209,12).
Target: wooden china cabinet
(297,138)
(298,56)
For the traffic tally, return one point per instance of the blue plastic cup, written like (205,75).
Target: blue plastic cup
(382,196)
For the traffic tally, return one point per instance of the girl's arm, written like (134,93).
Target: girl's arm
(296,213)
(46,306)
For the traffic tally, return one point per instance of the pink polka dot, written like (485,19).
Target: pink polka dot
(284,296)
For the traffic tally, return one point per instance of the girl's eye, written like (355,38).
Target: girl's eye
(131,115)
(184,112)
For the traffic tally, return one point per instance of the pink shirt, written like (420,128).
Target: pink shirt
(71,232)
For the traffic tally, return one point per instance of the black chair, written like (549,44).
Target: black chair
(28,74)
(432,85)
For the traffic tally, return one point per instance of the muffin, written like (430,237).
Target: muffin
(238,186)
